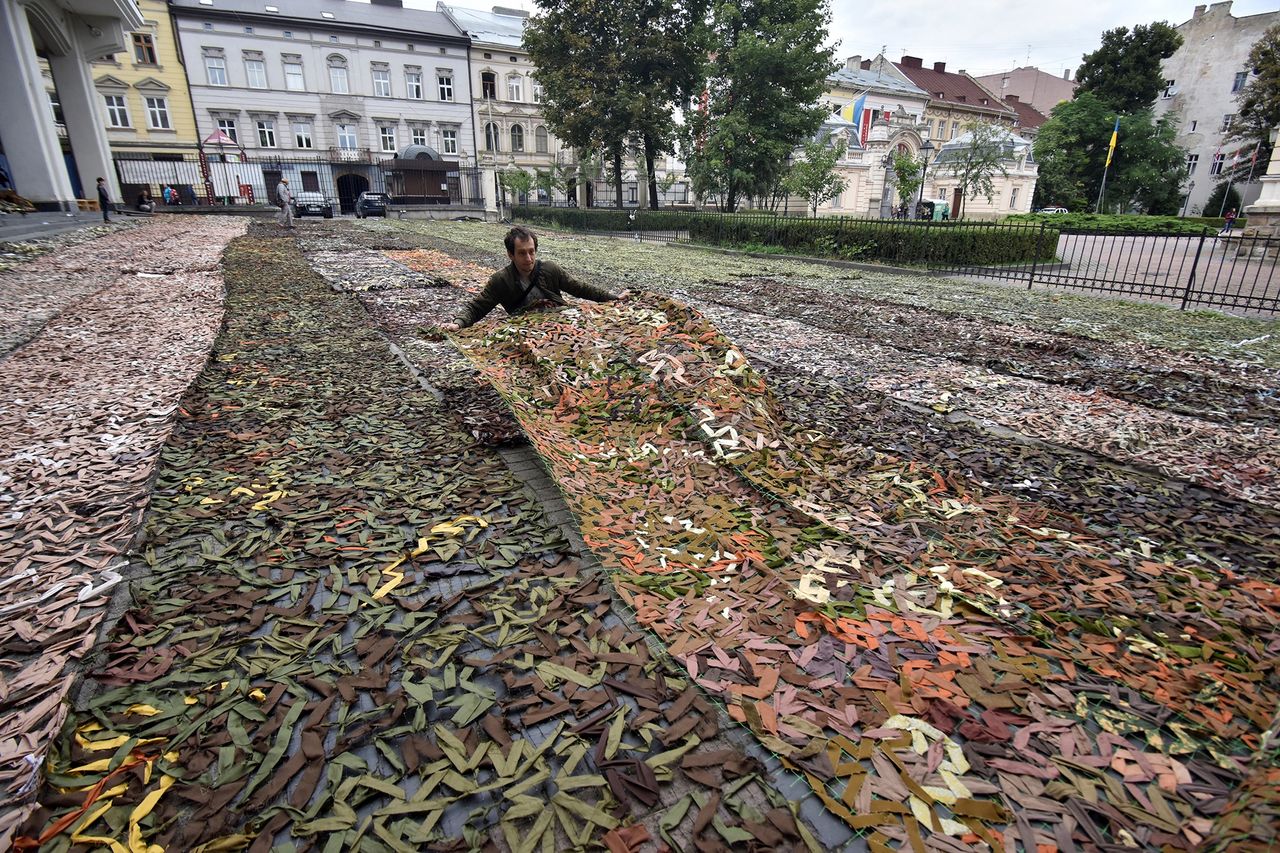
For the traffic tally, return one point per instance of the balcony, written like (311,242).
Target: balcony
(350,155)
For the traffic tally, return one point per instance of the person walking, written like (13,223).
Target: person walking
(1230,219)
(104,199)
(284,198)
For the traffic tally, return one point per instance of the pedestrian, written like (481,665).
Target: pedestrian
(104,199)
(1229,219)
(145,203)
(166,194)
(525,284)
(284,198)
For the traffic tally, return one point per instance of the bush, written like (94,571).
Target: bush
(1126,224)
(887,241)
(583,218)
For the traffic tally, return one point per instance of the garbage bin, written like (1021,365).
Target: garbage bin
(941,211)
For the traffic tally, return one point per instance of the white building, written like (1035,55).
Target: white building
(330,88)
(1012,190)
(1202,80)
(70,34)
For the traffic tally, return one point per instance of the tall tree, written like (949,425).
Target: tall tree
(1259,106)
(976,163)
(814,178)
(1124,73)
(1147,170)
(907,173)
(766,71)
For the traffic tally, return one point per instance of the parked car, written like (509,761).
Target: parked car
(372,204)
(1053,210)
(312,204)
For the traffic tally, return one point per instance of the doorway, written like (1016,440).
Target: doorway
(349,189)
(956,198)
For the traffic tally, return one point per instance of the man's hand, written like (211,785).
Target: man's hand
(449,327)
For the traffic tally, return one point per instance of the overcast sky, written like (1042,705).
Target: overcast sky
(979,36)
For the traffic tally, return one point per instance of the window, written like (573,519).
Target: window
(489,85)
(515,88)
(117,111)
(267,133)
(208,26)
(1226,121)
(1192,127)
(249,30)
(287,33)
(1215,168)
(490,137)
(333,39)
(255,70)
(346,136)
(1013,198)
(418,135)
(540,140)
(311,182)
(1241,78)
(1193,160)
(517,138)
(445,84)
(338,79)
(1169,90)
(413,85)
(216,68)
(381,83)
(302,134)
(144,49)
(228,126)
(955,129)
(158,113)
(537,92)
(449,140)
(387,134)
(293,79)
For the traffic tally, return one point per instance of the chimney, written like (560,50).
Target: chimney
(912,62)
(940,67)
(853,63)
(1066,74)
(866,65)
(1199,10)
(1013,99)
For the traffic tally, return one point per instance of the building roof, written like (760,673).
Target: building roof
(950,88)
(1010,142)
(832,125)
(1028,116)
(327,14)
(501,26)
(865,78)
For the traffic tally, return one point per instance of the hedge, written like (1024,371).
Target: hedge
(585,218)
(1128,224)
(886,241)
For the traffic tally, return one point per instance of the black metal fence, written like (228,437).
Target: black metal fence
(230,179)
(1224,271)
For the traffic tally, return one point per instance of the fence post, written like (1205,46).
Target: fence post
(928,257)
(1035,258)
(1191,279)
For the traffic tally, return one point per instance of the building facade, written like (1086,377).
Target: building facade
(1012,190)
(1030,85)
(955,99)
(322,93)
(1202,80)
(47,169)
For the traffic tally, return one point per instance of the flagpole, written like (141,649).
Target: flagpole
(1111,149)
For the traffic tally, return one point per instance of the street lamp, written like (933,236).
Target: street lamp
(926,148)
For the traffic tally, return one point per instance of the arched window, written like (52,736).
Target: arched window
(517,138)
(490,137)
(540,140)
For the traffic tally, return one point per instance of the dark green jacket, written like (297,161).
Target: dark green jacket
(504,287)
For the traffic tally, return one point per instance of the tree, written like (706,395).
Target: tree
(976,163)
(553,179)
(908,174)
(767,68)
(1147,170)
(516,181)
(1124,73)
(1259,107)
(1223,198)
(814,178)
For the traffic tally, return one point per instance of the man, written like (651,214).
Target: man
(525,283)
(104,199)
(284,198)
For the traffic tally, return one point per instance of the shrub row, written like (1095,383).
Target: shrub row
(1129,224)
(886,241)
(584,218)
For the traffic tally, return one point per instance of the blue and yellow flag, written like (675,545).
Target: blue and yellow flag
(1115,134)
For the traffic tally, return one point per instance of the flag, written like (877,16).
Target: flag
(846,112)
(1115,134)
(858,105)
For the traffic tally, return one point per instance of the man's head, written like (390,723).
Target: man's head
(102,180)
(284,180)
(522,248)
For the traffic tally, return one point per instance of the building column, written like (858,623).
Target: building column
(1264,214)
(30,137)
(83,114)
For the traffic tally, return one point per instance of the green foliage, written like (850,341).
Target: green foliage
(814,177)
(908,174)
(977,163)
(1147,172)
(872,240)
(516,181)
(579,218)
(768,66)
(1126,223)
(1124,73)
(1258,108)
(1223,198)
